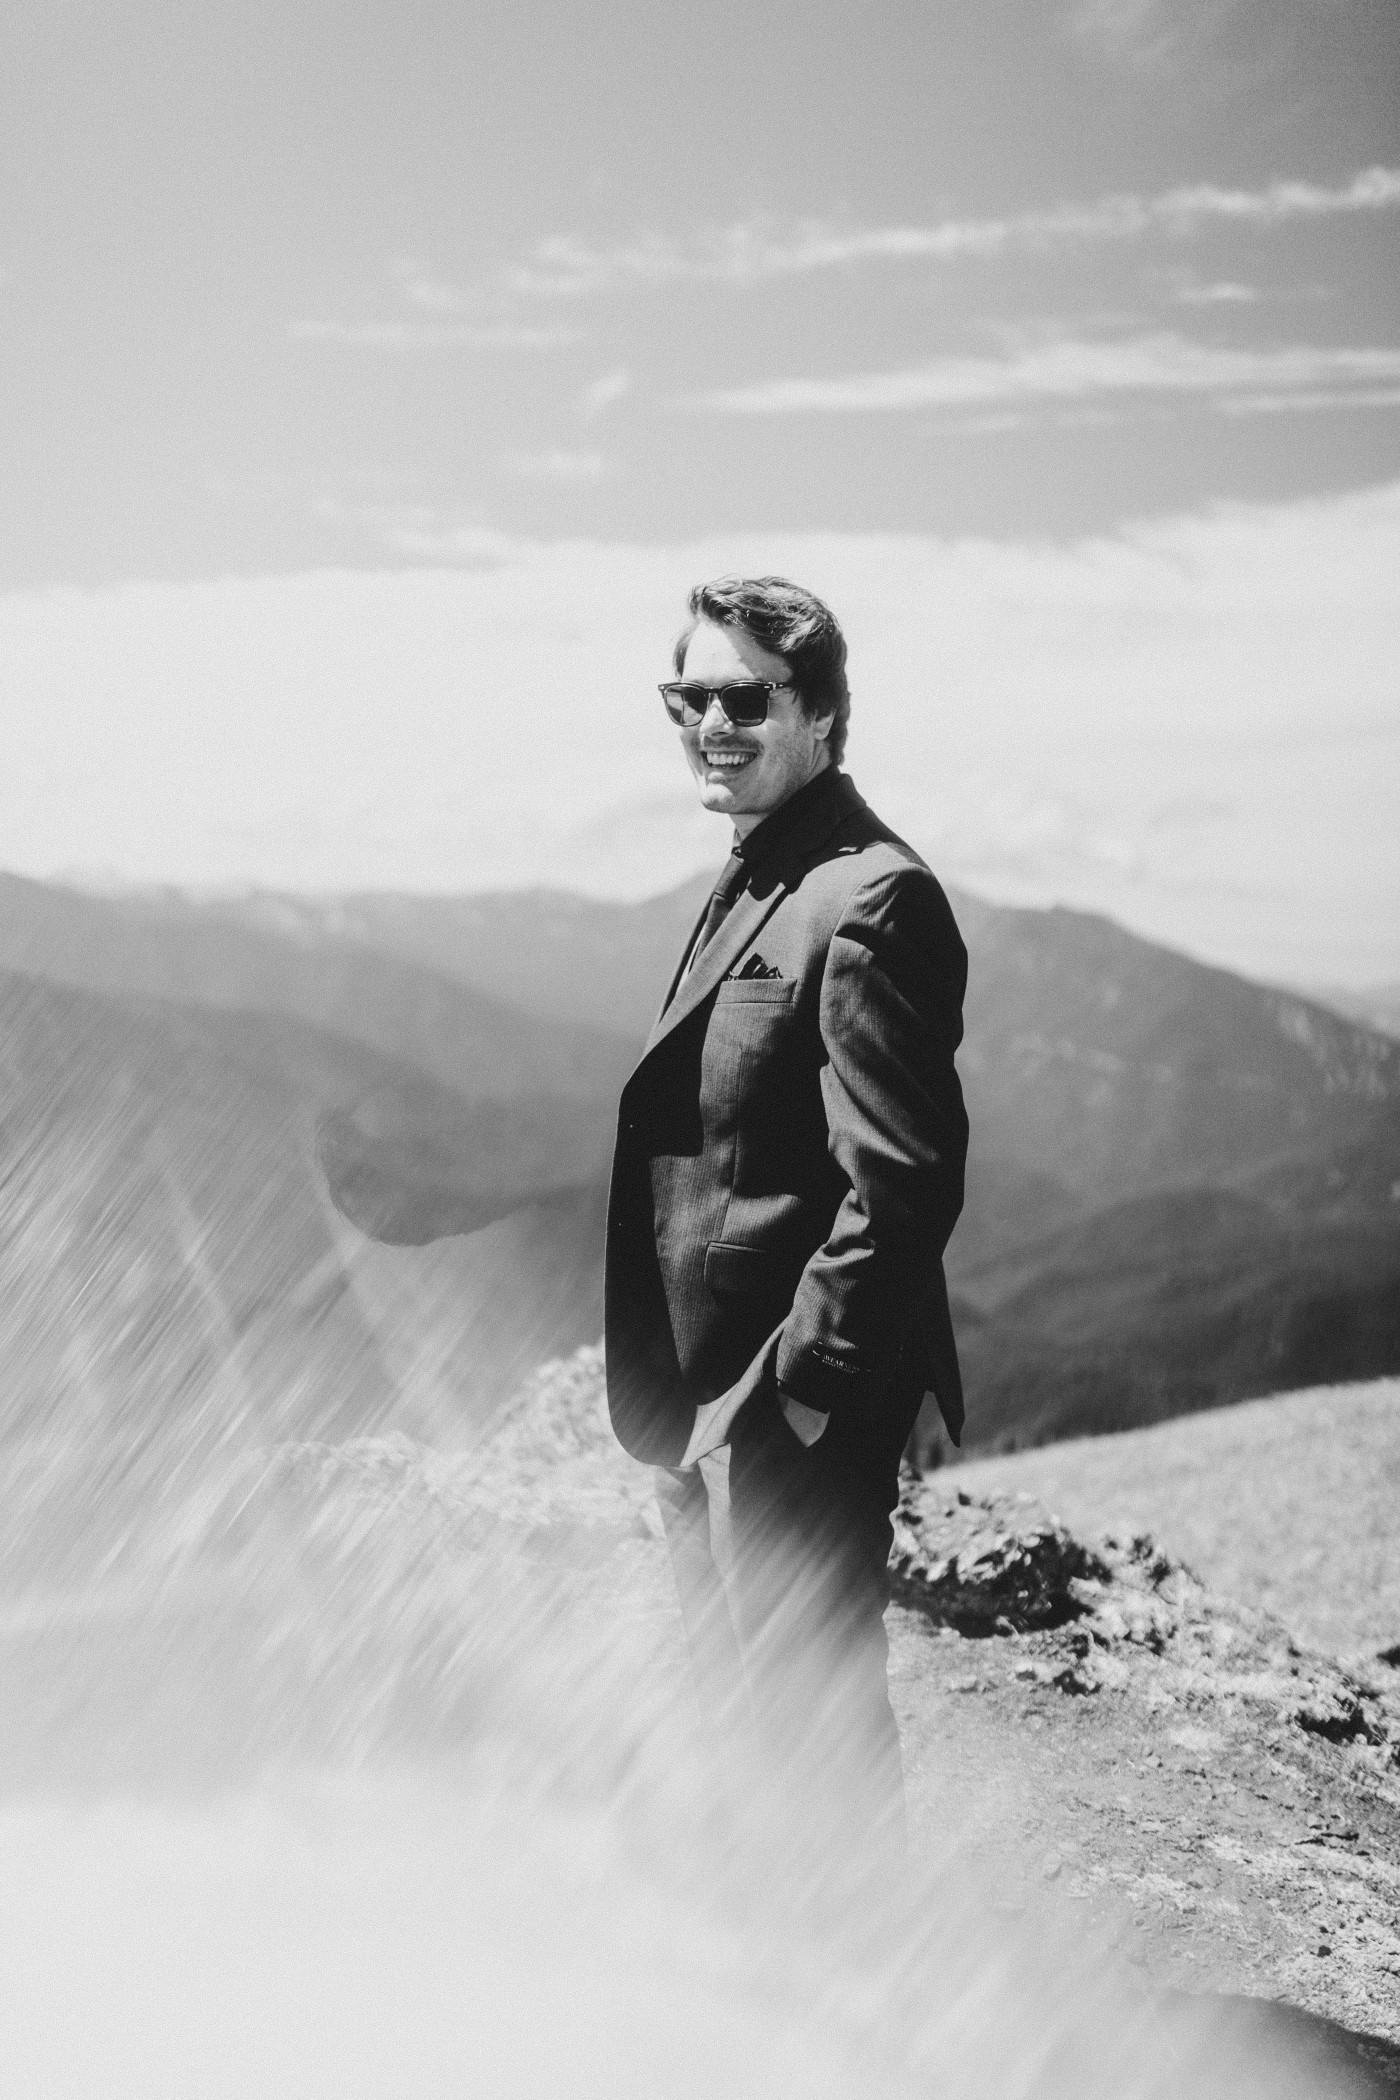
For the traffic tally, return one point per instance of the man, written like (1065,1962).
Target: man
(789,1165)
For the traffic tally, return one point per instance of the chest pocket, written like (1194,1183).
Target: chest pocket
(755,991)
(752,1013)
(749,1031)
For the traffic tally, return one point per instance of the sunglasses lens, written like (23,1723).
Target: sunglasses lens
(680,702)
(745,705)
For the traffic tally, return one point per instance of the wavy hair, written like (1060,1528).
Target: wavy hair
(791,623)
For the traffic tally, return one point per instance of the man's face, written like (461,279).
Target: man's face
(777,758)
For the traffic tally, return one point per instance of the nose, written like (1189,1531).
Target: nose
(714,718)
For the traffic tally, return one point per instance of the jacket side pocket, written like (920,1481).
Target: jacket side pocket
(732,1271)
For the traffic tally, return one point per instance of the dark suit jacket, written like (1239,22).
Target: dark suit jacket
(789,1159)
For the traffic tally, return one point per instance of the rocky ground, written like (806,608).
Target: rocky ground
(1223,1803)
(1319,1469)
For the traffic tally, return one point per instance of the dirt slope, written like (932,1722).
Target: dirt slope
(1224,1802)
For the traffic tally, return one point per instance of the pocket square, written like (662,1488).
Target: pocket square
(757,967)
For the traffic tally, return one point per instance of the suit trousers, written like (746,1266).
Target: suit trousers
(780,1553)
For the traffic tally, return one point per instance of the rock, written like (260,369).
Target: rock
(1002,1565)
(1340,1717)
(987,1569)
(1075,1679)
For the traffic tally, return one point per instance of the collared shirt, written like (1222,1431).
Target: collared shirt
(765,838)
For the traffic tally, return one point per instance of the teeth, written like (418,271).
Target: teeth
(727,758)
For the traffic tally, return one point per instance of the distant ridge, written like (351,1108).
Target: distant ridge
(162,945)
(1376,1005)
(571,960)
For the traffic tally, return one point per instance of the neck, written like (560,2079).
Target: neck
(752,818)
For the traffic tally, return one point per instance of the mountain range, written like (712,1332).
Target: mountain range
(1378,1005)
(338,1162)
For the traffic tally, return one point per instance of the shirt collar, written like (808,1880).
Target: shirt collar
(765,838)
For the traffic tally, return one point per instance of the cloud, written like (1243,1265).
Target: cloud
(764,248)
(444,317)
(432,294)
(424,532)
(485,316)
(1148,35)
(1070,369)
(1117,24)
(1025,713)
(556,466)
(432,335)
(604,391)
(1226,294)
(1320,398)
(1376,189)
(430,536)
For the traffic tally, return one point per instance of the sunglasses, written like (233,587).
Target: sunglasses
(744,705)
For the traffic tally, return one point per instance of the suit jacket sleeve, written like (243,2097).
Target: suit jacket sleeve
(891,1019)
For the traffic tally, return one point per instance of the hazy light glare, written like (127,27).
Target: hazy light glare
(344,1758)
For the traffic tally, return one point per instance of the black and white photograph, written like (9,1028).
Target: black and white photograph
(700,1050)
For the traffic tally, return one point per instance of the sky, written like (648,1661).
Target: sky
(375,379)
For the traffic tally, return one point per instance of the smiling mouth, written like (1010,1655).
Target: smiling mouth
(730,761)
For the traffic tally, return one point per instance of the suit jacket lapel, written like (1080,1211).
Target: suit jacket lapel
(750,911)
(727,945)
(679,970)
